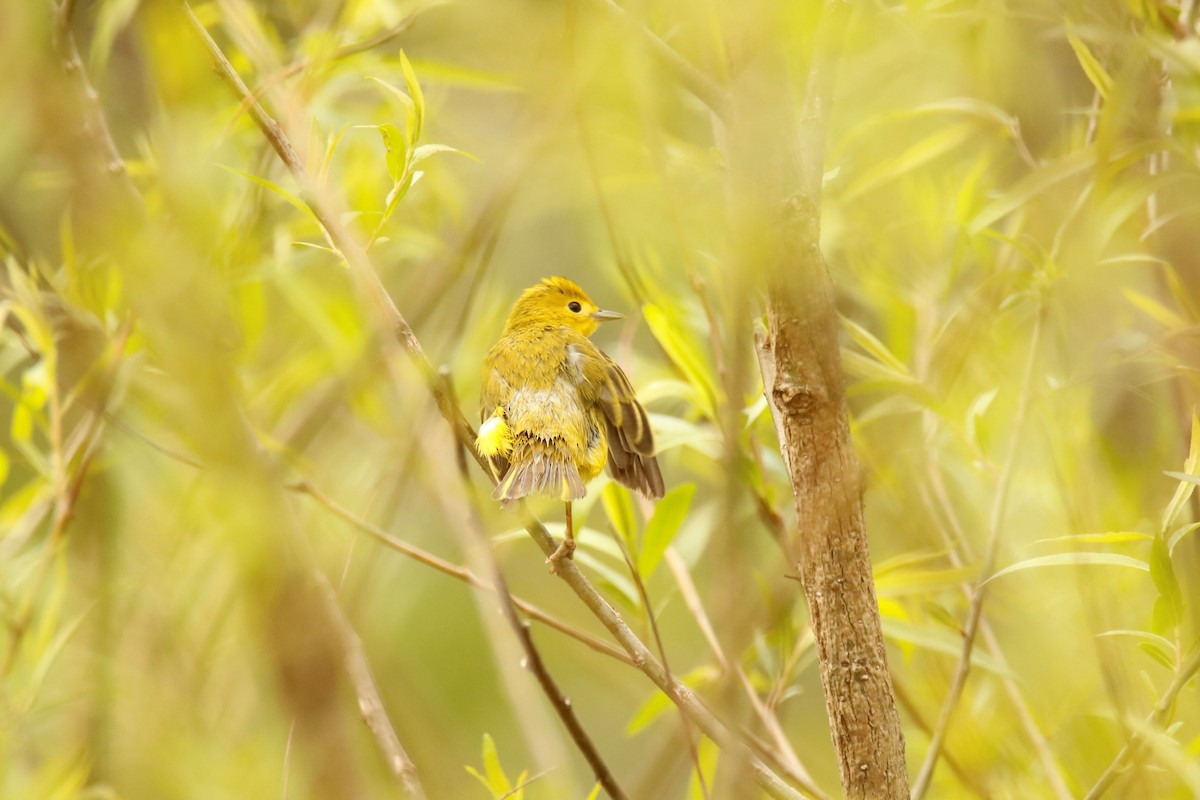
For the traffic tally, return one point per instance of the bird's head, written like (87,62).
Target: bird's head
(556,302)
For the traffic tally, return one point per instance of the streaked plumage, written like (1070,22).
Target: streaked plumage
(555,408)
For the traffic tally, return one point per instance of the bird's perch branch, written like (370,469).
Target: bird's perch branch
(386,313)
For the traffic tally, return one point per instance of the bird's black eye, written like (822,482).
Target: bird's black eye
(574,306)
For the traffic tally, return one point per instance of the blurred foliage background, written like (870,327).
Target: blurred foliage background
(1010,216)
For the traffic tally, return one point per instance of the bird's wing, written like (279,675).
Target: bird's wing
(630,440)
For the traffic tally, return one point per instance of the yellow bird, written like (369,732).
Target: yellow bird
(556,409)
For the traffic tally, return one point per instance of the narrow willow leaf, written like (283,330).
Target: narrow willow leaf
(1187,480)
(619,507)
(1095,71)
(1154,309)
(671,432)
(658,702)
(940,640)
(1179,533)
(397,151)
(1158,654)
(426,150)
(929,149)
(684,354)
(292,199)
(867,341)
(1073,560)
(496,778)
(1162,572)
(410,109)
(1107,537)
(661,529)
(1033,185)
(1145,636)
(418,98)
(701,781)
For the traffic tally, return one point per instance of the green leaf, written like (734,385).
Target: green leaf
(700,785)
(1179,533)
(867,341)
(410,108)
(1187,479)
(497,780)
(1073,560)
(671,432)
(662,527)
(1158,654)
(1032,185)
(1163,574)
(619,507)
(937,144)
(1154,309)
(940,640)
(684,354)
(1095,71)
(658,702)
(397,151)
(1106,537)
(418,98)
(426,150)
(292,199)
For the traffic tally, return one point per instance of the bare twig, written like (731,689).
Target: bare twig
(975,613)
(369,701)
(390,317)
(95,123)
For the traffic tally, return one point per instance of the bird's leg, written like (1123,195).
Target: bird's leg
(567,548)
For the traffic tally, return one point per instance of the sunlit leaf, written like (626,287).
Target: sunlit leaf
(684,354)
(426,150)
(940,640)
(658,702)
(1073,560)
(663,525)
(1095,71)
(619,506)
(397,151)
(418,98)
(700,784)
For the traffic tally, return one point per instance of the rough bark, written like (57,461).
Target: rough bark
(802,376)
(777,161)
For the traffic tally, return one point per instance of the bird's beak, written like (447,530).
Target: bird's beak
(605,316)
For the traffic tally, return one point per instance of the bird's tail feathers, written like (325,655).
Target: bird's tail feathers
(540,475)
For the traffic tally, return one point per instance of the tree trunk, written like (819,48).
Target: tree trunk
(776,159)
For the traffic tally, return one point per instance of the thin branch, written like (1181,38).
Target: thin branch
(453,570)
(95,123)
(784,751)
(975,613)
(1160,714)
(369,701)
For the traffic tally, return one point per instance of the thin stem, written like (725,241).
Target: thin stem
(369,701)
(1162,710)
(453,570)
(975,613)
